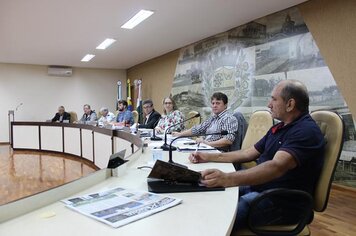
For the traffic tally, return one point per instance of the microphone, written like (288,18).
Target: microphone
(167,147)
(170,160)
(154,137)
(17,107)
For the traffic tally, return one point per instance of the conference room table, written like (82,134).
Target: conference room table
(200,213)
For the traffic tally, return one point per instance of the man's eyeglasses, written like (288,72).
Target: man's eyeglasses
(146,107)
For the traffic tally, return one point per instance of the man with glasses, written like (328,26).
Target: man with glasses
(151,115)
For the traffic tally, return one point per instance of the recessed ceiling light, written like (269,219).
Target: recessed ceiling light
(88,57)
(106,43)
(137,19)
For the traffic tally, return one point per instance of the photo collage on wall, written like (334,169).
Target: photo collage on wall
(246,62)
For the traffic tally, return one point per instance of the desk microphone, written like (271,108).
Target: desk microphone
(17,107)
(154,137)
(167,147)
(170,160)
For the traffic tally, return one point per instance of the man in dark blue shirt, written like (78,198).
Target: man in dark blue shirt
(290,155)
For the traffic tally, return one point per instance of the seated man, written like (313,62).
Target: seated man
(151,115)
(106,116)
(290,155)
(124,117)
(219,121)
(88,116)
(61,115)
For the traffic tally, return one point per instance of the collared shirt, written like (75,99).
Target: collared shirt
(125,116)
(108,118)
(304,141)
(148,116)
(91,117)
(217,123)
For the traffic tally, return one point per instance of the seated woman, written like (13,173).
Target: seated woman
(171,116)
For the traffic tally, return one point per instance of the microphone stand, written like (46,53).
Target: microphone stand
(165,146)
(170,160)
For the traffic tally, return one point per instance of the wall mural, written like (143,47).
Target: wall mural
(246,62)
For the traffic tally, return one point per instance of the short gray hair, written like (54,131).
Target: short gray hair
(104,109)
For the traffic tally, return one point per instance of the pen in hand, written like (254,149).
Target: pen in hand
(197,147)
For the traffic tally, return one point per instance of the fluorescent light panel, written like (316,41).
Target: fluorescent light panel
(137,19)
(106,43)
(88,57)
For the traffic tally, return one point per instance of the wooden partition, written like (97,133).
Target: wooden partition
(85,141)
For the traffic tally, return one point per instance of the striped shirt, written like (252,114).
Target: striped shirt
(218,123)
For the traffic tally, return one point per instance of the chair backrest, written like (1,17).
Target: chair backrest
(192,122)
(240,133)
(135,116)
(260,122)
(332,126)
(73,116)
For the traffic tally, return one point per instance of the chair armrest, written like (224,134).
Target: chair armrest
(283,212)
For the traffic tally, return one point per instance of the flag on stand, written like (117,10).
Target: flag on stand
(128,92)
(139,100)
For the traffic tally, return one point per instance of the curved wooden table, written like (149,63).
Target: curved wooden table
(201,213)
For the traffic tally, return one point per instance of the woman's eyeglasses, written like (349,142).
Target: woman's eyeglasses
(167,103)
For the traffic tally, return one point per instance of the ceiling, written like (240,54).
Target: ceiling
(52,32)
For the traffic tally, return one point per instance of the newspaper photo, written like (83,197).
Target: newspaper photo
(117,207)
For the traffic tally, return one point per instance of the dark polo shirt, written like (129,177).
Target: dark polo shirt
(304,141)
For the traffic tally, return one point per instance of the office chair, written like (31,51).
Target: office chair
(260,122)
(240,133)
(73,116)
(135,116)
(332,126)
(192,122)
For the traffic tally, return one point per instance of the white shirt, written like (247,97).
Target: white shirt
(108,118)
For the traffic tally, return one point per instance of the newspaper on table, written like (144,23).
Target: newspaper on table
(117,207)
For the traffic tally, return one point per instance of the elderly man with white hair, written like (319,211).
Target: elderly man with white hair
(106,116)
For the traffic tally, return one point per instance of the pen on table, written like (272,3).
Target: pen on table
(197,147)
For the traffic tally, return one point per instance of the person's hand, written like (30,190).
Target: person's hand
(215,178)
(159,130)
(200,140)
(198,157)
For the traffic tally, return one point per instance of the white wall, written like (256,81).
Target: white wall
(42,94)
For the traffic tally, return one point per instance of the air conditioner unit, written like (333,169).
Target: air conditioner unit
(61,71)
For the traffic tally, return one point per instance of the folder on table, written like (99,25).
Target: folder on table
(170,178)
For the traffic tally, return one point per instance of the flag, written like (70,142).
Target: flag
(128,92)
(119,92)
(139,101)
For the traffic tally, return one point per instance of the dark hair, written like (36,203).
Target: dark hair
(122,102)
(148,101)
(173,103)
(87,105)
(298,91)
(219,96)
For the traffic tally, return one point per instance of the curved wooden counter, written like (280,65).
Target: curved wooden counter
(201,213)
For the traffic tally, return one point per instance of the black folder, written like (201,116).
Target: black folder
(171,178)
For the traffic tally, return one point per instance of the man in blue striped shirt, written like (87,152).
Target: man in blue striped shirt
(219,121)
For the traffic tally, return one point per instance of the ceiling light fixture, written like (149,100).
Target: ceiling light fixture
(88,57)
(106,43)
(137,19)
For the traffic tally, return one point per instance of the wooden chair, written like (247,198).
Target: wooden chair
(190,123)
(332,126)
(73,116)
(260,122)
(135,116)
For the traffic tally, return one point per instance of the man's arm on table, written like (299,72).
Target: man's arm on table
(262,173)
(240,156)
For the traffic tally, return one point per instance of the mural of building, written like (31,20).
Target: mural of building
(248,61)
